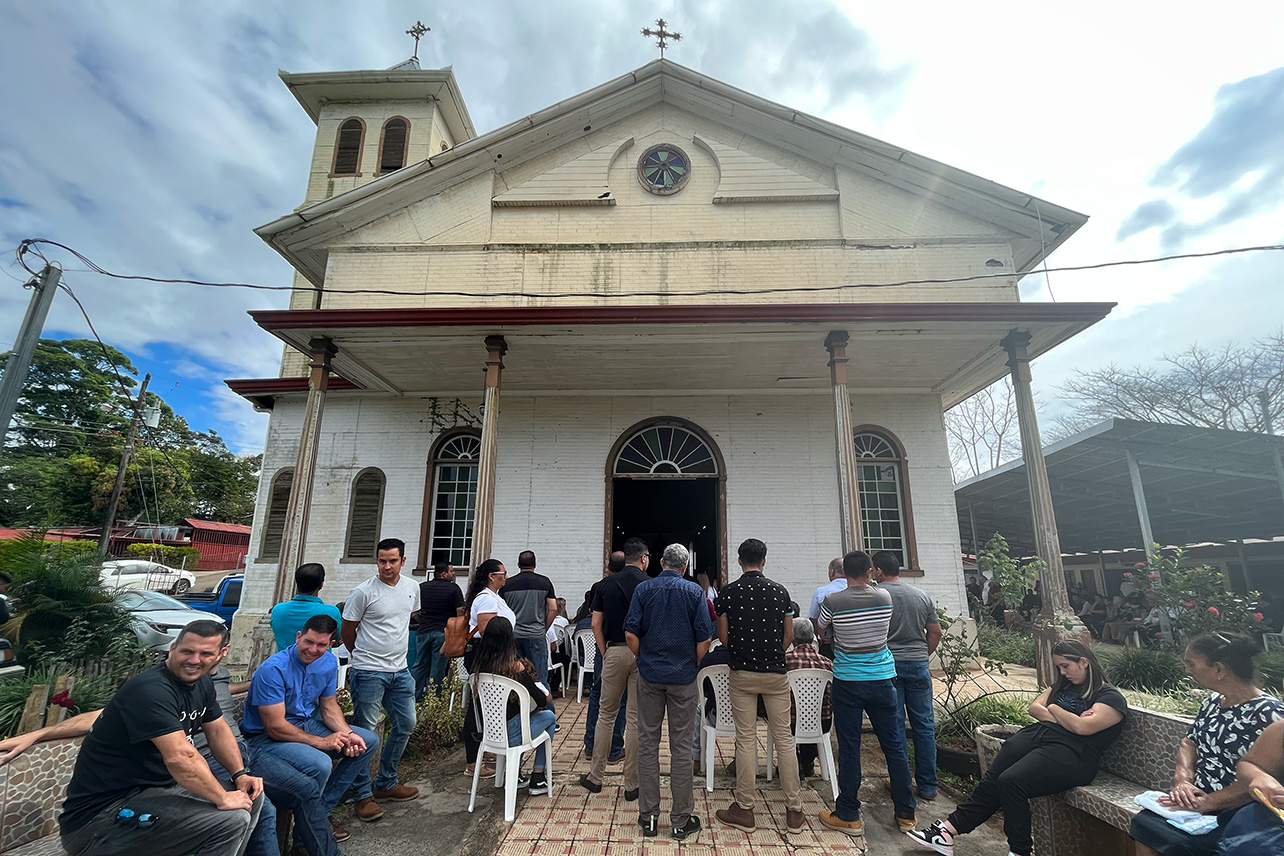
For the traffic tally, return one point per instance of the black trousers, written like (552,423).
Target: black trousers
(1034,762)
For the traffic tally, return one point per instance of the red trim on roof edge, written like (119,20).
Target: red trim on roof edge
(279,385)
(287,319)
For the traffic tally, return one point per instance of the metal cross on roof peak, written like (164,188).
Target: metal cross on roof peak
(661,35)
(417,32)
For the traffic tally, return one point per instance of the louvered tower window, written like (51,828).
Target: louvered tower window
(274,520)
(365,515)
(347,148)
(392,145)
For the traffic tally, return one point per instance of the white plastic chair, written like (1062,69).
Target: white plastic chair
(1273,641)
(462,673)
(584,654)
(808,689)
(719,677)
(553,667)
(492,713)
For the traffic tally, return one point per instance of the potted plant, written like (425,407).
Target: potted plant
(965,703)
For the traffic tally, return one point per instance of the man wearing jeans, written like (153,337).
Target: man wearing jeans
(669,631)
(376,629)
(296,730)
(439,601)
(756,624)
(914,633)
(531,597)
(864,683)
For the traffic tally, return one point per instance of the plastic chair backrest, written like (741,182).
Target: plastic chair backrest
(1273,641)
(584,644)
(719,677)
(808,689)
(492,692)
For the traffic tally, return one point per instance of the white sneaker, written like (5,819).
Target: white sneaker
(936,837)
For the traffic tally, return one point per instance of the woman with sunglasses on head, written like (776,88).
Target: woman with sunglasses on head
(1078,717)
(483,603)
(496,654)
(1228,723)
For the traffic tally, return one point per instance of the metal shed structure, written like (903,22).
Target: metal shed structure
(1126,483)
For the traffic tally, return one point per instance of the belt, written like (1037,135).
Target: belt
(613,644)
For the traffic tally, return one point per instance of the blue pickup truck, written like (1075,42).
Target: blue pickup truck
(222,600)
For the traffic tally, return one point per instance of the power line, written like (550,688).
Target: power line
(29,246)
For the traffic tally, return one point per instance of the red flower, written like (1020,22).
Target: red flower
(1141,564)
(1258,616)
(1212,610)
(1188,603)
(1159,634)
(63,699)
(1153,576)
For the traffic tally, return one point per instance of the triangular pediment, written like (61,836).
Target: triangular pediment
(569,154)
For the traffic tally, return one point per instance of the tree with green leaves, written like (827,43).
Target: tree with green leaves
(60,459)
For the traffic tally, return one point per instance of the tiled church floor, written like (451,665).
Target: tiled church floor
(574,822)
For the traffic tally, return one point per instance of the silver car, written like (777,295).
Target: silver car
(158,617)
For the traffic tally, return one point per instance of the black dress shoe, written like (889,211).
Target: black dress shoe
(590,785)
(631,796)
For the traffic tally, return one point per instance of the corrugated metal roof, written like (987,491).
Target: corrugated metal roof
(212,526)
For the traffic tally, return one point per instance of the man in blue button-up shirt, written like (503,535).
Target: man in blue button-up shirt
(669,631)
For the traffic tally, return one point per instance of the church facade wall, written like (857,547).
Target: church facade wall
(551,489)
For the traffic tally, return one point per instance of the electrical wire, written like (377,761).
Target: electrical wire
(28,246)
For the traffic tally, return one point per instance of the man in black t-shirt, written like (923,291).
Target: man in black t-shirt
(138,756)
(439,601)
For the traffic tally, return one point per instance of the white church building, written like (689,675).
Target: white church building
(664,307)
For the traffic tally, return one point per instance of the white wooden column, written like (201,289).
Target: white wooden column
(844,443)
(1139,500)
(484,519)
(1056,602)
(295,534)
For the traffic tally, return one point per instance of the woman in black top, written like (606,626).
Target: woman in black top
(1078,717)
(496,654)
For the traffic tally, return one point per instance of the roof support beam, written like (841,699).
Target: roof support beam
(1139,498)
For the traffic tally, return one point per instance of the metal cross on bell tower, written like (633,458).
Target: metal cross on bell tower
(661,35)
(417,32)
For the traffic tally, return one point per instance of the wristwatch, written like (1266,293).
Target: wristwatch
(244,771)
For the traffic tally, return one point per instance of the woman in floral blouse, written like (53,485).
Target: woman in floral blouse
(1229,721)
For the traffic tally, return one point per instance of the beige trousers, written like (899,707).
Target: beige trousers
(774,689)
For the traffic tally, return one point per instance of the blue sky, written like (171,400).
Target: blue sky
(154,136)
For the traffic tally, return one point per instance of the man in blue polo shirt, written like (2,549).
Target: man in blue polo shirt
(289,617)
(292,715)
(668,630)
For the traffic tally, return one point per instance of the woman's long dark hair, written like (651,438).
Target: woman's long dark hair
(480,580)
(1073,650)
(496,651)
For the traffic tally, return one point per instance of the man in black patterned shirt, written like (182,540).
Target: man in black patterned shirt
(756,623)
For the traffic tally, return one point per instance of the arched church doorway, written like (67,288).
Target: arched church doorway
(666,483)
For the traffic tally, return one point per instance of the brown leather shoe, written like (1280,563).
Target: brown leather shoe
(367,810)
(795,821)
(737,818)
(340,834)
(401,793)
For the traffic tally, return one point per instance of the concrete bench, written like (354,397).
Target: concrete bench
(1093,820)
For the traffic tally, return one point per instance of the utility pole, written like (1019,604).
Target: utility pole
(1264,398)
(104,540)
(15,370)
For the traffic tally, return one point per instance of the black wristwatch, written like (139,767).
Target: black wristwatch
(244,771)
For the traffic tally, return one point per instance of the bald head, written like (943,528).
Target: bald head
(836,568)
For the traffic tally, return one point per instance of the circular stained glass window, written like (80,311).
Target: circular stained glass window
(664,169)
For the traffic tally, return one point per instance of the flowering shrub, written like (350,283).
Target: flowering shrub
(1197,598)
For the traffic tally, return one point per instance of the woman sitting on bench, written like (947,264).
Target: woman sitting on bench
(1079,716)
(1228,723)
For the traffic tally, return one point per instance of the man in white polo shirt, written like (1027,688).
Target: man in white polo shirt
(376,629)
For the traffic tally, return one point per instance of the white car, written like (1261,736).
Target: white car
(158,617)
(144,574)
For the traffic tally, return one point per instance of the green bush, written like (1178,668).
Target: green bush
(1180,702)
(436,725)
(1002,708)
(1271,666)
(1005,646)
(11,551)
(176,557)
(1153,670)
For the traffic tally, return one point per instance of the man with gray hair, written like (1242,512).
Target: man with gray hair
(837,582)
(669,631)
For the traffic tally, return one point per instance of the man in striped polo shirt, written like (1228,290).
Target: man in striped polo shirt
(864,683)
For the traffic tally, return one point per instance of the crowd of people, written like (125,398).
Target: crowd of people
(166,767)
